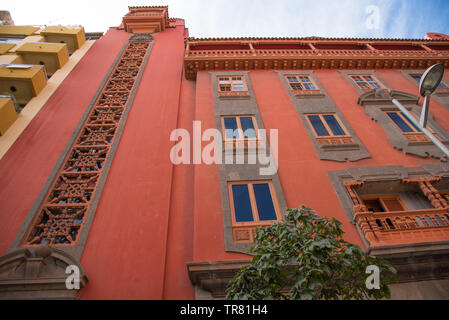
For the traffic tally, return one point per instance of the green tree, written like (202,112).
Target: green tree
(305,257)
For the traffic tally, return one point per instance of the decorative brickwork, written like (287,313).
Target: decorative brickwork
(61,216)
(228,54)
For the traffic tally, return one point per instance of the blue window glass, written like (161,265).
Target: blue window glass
(429,221)
(242,203)
(420,223)
(418,79)
(231,128)
(408,119)
(400,122)
(318,126)
(248,127)
(264,202)
(292,79)
(309,86)
(334,125)
(438,219)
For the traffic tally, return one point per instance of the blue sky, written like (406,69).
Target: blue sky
(255,18)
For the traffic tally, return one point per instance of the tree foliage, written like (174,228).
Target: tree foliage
(305,257)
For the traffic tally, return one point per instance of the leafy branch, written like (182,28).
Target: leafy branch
(305,257)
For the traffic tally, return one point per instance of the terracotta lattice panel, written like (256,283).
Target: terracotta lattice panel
(61,216)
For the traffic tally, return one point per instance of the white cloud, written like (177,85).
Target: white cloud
(237,18)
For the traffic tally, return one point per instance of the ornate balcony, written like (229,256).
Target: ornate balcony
(404,226)
(383,228)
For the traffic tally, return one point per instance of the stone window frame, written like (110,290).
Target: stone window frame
(438,92)
(239,128)
(376,103)
(349,73)
(238,106)
(233,173)
(351,76)
(411,124)
(248,227)
(321,104)
(331,135)
(232,94)
(317,92)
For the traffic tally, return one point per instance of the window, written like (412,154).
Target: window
(231,85)
(366,82)
(301,83)
(407,127)
(417,77)
(252,204)
(384,203)
(327,125)
(239,128)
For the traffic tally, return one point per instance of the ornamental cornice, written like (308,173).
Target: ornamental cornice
(320,53)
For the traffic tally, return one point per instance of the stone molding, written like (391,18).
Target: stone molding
(37,273)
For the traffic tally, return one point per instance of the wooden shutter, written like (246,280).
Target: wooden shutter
(392,204)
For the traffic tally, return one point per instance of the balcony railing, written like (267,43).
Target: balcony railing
(383,228)
(317,53)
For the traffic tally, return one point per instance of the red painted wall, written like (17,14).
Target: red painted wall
(25,167)
(153,217)
(126,251)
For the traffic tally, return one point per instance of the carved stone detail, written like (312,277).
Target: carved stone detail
(38,273)
(141,37)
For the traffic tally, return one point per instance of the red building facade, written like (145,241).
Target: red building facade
(91,181)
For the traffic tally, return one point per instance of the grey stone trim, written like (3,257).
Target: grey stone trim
(76,250)
(309,73)
(38,273)
(441,97)
(417,261)
(240,172)
(324,104)
(375,104)
(213,276)
(236,96)
(141,37)
(348,73)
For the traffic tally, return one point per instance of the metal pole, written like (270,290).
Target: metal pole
(434,139)
(425,111)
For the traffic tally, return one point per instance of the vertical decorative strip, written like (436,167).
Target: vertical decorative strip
(62,214)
